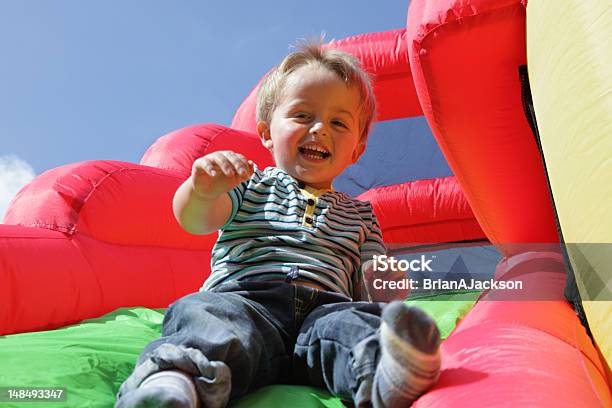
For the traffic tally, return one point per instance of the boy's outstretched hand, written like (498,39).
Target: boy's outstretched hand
(219,172)
(200,204)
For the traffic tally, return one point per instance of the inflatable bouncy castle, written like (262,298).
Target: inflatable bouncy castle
(493,145)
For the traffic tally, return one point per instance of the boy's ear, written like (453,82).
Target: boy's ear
(263,130)
(359,149)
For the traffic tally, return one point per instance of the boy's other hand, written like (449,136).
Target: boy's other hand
(219,172)
(380,291)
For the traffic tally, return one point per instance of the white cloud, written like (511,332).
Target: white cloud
(14,174)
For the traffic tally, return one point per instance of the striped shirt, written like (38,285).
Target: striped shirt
(278,225)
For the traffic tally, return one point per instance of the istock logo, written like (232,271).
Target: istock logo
(385,263)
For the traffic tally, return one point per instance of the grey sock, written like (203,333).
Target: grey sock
(164,389)
(212,379)
(410,358)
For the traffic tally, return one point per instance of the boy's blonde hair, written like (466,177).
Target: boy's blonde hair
(346,66)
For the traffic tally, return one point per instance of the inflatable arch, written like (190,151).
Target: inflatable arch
(98,238)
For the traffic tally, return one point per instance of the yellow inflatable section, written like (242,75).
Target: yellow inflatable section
(569,55)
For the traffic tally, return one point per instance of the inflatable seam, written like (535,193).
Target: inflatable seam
(204,147)
(458,17)
(70,229)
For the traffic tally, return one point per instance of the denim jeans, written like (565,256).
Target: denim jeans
(275,332)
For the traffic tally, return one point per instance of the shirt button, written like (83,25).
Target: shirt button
(308,220)
(301,185)
(310,201)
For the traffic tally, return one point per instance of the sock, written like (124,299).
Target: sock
(164,389)
(190,367)
(410,358)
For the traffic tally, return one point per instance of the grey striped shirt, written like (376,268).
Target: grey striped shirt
(277,223)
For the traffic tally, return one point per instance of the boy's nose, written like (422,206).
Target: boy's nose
(318,128)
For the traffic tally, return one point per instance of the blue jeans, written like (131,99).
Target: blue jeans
(271,333)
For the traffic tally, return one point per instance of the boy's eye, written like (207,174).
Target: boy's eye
(301,115)
(339,123)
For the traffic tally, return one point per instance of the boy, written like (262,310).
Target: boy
(279,305)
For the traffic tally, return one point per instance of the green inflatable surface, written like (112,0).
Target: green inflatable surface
(91,359)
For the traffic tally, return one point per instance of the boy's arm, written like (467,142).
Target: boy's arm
(200,215)
(201,204)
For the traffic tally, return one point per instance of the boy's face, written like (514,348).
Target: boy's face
(314,131)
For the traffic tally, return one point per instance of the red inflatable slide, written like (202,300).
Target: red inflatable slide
(85,239)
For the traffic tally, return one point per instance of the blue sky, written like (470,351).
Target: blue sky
(83,80)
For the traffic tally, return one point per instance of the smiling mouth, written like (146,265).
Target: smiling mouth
(314,153)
